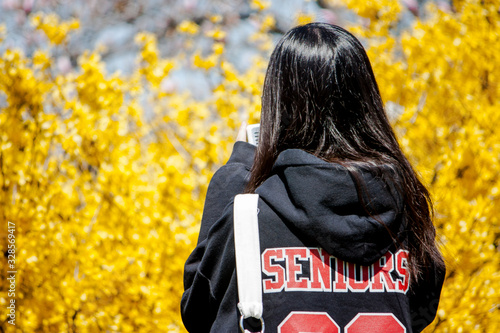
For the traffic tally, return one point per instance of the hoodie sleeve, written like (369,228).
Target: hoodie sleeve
(207,275)
(424,297)
(227,182)
(209,268)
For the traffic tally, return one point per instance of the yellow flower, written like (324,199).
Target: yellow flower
(268,23)
(216,34)
(152,67)
(205,63)
(41,59)
(303,18)
(188,27)
(218,48)
(55,30)
(3,32)
(260,5)
(215,18)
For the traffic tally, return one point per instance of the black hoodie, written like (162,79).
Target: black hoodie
(328,257)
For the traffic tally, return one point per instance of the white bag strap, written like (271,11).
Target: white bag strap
(247,252)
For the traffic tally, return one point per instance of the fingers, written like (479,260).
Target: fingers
(242,132)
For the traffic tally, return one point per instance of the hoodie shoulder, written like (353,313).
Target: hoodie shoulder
(230,180)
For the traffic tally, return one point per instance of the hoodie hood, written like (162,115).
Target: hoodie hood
(353,217)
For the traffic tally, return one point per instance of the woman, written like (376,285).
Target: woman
(346,231)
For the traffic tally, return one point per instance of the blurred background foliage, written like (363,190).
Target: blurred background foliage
(115,114)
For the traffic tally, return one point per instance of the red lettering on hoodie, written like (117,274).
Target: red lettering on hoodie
(340,275)
(276,271)
(381,274)
(310,269)
(321,277)
(293,269)
(402,269)
(360,282)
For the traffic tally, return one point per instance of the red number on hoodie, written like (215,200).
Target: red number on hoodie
(375,323)
(321,322)
(318,322)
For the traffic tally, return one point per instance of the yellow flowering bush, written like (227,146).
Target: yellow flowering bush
(104,175)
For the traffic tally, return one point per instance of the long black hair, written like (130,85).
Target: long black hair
(320,95)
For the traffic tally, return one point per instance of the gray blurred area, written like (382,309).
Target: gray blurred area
(114,24)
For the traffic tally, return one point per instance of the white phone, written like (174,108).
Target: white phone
(253,134)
